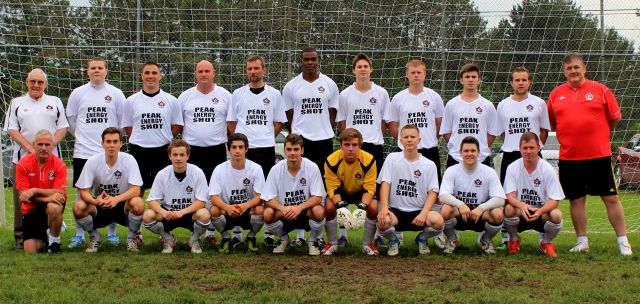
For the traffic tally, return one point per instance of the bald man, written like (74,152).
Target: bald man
(27,115)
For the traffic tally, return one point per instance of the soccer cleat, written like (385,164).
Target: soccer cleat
(132,245)
(580,247)
(281,246)
(297,243)
(625,249)
(514,246)
(450,247)
(252,244)
(440,240)
(487,246)
(94,243)
(423,247)
(379,241)
(211,239)
(394,247)
(168,244)
(194,246)
(503,246)
(330,248)
(343,242)
(235,242)
(224,246)
(139,239)
(313,250)
(113,240)
(321,243)
(548,250)
(269,242)
(76,241)
(54,248)
(369,249)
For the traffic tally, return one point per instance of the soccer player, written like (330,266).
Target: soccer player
(177,199)
(293,193)
(584,113)
(533,193)
(473,198)
(408,192)
(420,106)
(151,119)
(41,179)
(25,116)
(311,100)
(469,114)
(235,194)
(91,109)
(109,192)
(350,178)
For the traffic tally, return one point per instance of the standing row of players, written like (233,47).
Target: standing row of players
(310,104)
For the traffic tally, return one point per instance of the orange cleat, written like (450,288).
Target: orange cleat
(514,246)
(548,250)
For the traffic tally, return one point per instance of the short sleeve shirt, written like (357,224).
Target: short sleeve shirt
(518,117)
(364,111)
(174,195)
(151,118)
(409,182)
(471,187)
(205,116)
(420,110)
(28,175)
(97,176)
(236,186)
(293,190)
(533,189)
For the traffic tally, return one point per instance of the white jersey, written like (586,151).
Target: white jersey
(90,110)
(533,189)
(256,113)
(472,188)
(477,118)
(205,116)
(151,118)
(518,117)
(364,111)
(175,195)
(409,182)
(420,110)
(28,116)
(294,190)
(236,186)
(97,176)
(310,102)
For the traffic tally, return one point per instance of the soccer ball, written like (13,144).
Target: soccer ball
(358,219)
(344,217)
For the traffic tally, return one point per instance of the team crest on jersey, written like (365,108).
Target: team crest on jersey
(536,182)
(32,174)
(478,182)
(303,181)
(479,110)
(266,101)
(49,108)
(373,100)
(320,90)
(51,175)
(117,174)
(246,181)
(417,173)
(214,100)
(107,98)
(189,189)
(161,104)
(425,103)
(529,108)
(588,96)
(358,176)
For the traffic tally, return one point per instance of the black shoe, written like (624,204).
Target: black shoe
(320,243)
(269,242)
(235,242)
(54,248)
(20,244)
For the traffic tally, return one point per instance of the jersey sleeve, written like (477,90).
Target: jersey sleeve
(553,187)
(176,112)
(201,186)
(72,110)
(334,99)
(279,112)
(495,188)
(287,96)
(552,117)
(544,116)
(331,180)
(11,119)
(157,188)
(385,171)
(493,126)
(85,181)
(258,179)
(447,120)
(438,109)
(385,105)
(60,180)
(232,113)
(342,108)
(501,117)
(393,113)
(448,181)
(270,190)
(135,178)
(215,188)
(511,178)
(127,114)
(119,100)
(22,178)
(611,104)
(432,177)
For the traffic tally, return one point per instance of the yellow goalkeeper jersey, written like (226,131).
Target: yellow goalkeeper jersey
(350,178)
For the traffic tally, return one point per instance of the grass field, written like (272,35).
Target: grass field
(113,275)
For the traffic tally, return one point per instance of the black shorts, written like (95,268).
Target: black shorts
(537,225)
(353,198)
(301,222)
(78,165)
(150,161)
(405,218)
(318,151)
(243,221)
(507,159)
(207,158)
(378,154)
(592,176)
(104,217)
(35,223)
(185,221)
(265,157)
(469,224)
(451,161)
(433,155)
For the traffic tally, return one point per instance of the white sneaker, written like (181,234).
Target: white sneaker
(94,243)
(440,240)
(423,247)
(132,245)
(394,248)
(168,244)
(487,246)
(580,247)
(313,250)
(195,246)
(450,246)
(369,249)
(281,247)
(625,249)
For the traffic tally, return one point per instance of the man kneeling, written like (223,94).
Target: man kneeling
(177,199)
(533,193)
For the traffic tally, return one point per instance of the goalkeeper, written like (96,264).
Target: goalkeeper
(350,178)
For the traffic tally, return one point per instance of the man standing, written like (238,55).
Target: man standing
(41,179)
(91,109)
(151,119)
(27,115)
(584,113)
(110,192)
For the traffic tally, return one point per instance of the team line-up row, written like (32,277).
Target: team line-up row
(207,116)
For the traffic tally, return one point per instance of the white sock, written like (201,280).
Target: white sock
(79,230)
(511,225)
(219,223)
(53,239)
(331,227)
(237,232)
(316,228)
(86,223)
(369,230)
(300,234)
(389,234)
(490,230)
(111,229)
(583,240)
(622,239)
(343,232)
(256,225)
(155,227)
(276,228)
(198,229)
(427,233)
(134,225)
(449,228)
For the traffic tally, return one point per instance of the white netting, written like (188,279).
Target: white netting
(60,36)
